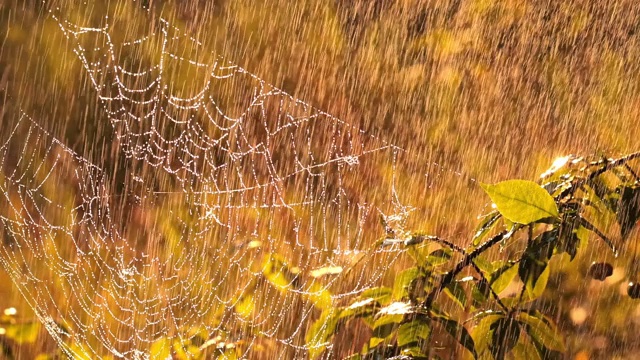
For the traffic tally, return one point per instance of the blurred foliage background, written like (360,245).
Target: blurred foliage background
(470,89)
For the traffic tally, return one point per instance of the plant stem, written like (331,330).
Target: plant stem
(608,166)
(493,292)
(466,261)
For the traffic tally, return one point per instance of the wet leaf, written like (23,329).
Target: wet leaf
(558,163)
(387,321)
(522,201)
(480,291)
(327,270)
(383,295)
(319,296)
(160,349)
(502,277)
(587,225)
(525,350)
(414,331)
(540,286)
(244,307)
(321,331)
(505,335)
(279,274)
(396,308)
(456,292)
(602,191)
(628,212)
(483,314)
(403,281)
(482,330)
(457,331)
(411,353)
(484,227)
(382,334)
(359,308)
(23,333)
(439,257)
(535,259)
(569,243)
(542,331)
(485,265)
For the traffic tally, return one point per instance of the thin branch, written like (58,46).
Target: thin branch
(493,292)
(621,161)
(608,166)
(587,225)
(633,173)
(466,261)
(418,238)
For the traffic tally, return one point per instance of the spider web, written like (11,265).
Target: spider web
(230,182)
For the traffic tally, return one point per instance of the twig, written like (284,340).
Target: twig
(466,261)
(493,292)
(587,225)
(419,238)
(608,166)
(633,173)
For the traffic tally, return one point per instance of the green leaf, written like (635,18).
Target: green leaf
(484,264)
(542,331)
(403,281)
(525,350)
(569,243)
(603,192)
(411,353)
(537,290)
(482,330)
(502,277)
(160,349)
(439,257)
(484,227)
(415,331)
(384,327)
(321,331)
(387,321)
(522,201)
(360,308)
(319,296)
(457,331)
(382,295)
(535,259)
(245,306)
(480,292)
(628,211)
(456,292)
(279,274)
(483,314)
(587,225)
(23,333)
(505,335)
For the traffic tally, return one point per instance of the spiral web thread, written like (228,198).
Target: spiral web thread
(233,182)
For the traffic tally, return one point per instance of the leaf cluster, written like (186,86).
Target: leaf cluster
(490,305)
